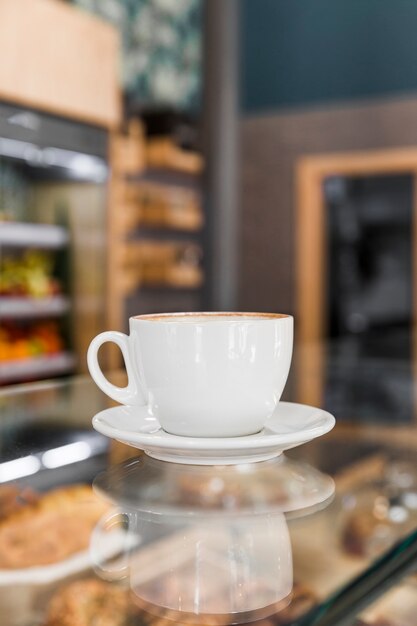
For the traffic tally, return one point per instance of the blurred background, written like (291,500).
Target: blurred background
(180,155)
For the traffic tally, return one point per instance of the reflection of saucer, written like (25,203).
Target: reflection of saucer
(157,489)
(291,425)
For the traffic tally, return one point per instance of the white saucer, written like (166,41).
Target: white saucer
(291,425)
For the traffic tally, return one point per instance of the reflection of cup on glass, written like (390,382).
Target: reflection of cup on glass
(213,565)
(207,541)
(202,374)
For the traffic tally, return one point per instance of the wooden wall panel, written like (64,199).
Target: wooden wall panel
(59,59)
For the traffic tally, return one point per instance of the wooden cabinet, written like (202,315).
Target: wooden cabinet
(59,59)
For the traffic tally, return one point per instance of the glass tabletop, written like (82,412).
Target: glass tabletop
(92,529)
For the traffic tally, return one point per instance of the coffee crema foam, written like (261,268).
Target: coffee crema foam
(192,318)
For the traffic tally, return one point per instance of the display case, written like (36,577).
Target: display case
(73,554)
(33,302)
(52,249)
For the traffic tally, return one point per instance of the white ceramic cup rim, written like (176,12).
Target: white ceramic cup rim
(212,316)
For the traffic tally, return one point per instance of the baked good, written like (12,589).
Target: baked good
(93,602)
(225,490)
(364,535)
(302,600)
(209,492)
(12,499)
(379,622)
(50,529)
(89,602)
(357,530)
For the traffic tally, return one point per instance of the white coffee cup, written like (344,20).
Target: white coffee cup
(202,374)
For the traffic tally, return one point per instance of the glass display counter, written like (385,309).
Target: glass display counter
(94,532)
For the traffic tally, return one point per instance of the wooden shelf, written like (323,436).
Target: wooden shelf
(163,152)
(164,289)
(173,280)
(155,226)
(29,308)
(36,368)
(166,177)
(164,234)
(21,235)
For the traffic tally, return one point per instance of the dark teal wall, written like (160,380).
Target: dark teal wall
(297,52)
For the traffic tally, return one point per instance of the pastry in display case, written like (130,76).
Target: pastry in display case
(25,341)
(34,332)
(379,622)
(90,601)
(380,511)
(154,264)
(164,206)
(62,521)
(13,499)
(44,540)
(28,275)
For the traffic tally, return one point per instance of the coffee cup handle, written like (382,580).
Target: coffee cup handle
(110,559)
(131,394)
